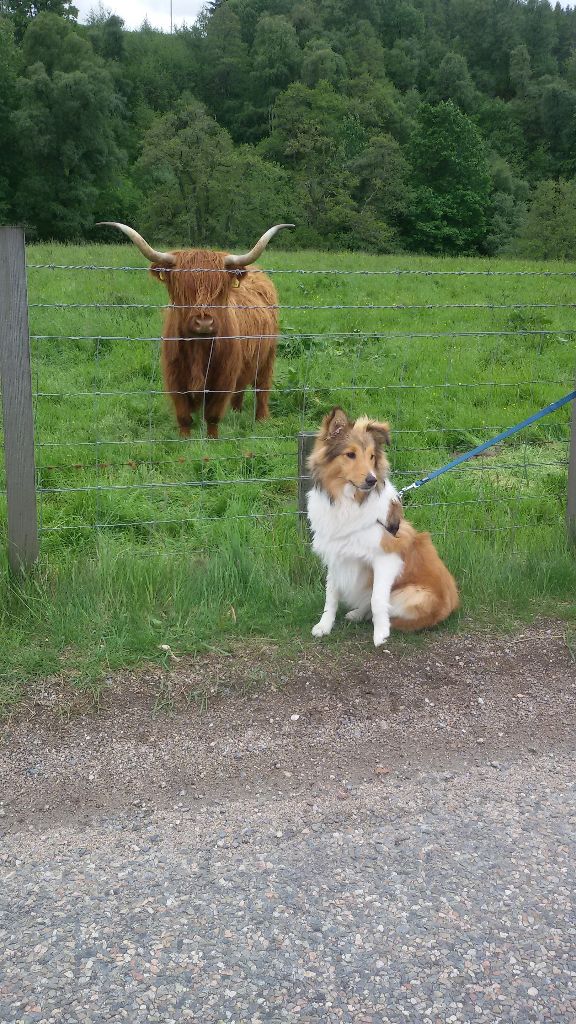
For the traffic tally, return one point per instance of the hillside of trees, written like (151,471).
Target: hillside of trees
(439,126)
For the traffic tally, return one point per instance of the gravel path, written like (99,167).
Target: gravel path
(388,840)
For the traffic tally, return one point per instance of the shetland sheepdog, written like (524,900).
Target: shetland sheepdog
(377,564)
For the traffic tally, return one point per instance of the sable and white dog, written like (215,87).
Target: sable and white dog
(377,562)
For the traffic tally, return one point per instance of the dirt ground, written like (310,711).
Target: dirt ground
(262,724)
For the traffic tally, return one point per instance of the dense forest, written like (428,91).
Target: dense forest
(440,126)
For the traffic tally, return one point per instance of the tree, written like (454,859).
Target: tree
(364,53)
(520,70)
(66,129)
(558,127)
(199,190)
(403,63)
(319,136)
(276,56)
(507,204)
(548,229)
(323,64)
(223,67)
(452,81)
(23,11)
(451,182)
(487,31)
(309,129)
(8,159)
(159,67)
(382,172)
(106,32)
(540,34)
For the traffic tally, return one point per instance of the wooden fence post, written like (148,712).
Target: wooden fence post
(305,444)
(571,506)
(17,407)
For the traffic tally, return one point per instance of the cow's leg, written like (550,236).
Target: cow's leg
(217,403)
(244,381)
(183,412)
(222,373)
(263,383)
(238,399)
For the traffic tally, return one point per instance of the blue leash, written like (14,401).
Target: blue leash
(488,444)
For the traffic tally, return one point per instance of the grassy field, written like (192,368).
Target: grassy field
(187,566)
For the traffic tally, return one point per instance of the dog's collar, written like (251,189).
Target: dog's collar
(391,529)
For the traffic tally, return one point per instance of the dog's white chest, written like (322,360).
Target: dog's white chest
(347,537)
(345,531)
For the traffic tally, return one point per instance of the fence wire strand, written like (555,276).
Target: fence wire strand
(331,272)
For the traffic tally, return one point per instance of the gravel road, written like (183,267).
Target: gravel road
(367,838)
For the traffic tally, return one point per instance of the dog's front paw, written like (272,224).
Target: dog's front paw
(381,634)
(322,628)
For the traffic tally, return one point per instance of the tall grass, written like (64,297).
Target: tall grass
(186,566)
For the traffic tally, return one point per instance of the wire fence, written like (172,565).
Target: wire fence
(449,356)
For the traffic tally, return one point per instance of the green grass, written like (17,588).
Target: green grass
(204,576)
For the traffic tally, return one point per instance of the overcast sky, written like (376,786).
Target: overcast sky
(135,11)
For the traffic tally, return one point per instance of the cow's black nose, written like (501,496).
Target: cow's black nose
(370,480)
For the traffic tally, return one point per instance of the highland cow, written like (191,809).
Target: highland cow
(220,330)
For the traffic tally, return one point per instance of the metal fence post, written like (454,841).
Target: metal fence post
(305,444)
(571,506)
(17,407)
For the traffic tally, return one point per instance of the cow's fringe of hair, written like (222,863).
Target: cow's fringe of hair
(204,284)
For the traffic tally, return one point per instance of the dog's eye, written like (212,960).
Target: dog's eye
(351,455)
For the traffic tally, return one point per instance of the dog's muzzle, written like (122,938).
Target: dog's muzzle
(369,483)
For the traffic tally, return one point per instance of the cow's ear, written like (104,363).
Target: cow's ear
(237,276)
(159,272)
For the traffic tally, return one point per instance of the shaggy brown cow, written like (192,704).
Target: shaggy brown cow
(216,343)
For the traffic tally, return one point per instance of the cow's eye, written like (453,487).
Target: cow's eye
(351,455)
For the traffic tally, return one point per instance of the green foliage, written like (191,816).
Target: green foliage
(558,113)
(276,55)
(312,86)
(548,229)
(520,70)
(322,64)
(65,126)
(507,205)
(453,81)
(223,67)
(451,182)
(8,162)
(22,12)
(198,189)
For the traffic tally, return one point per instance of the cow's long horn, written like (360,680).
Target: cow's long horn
(252,256)
(167,258)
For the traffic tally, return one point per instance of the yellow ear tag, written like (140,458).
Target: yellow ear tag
(236,282)
(162,275)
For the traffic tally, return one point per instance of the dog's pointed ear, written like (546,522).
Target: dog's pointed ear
(334,423)
(380,432)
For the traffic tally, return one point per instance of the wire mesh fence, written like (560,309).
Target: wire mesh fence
(450,356)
